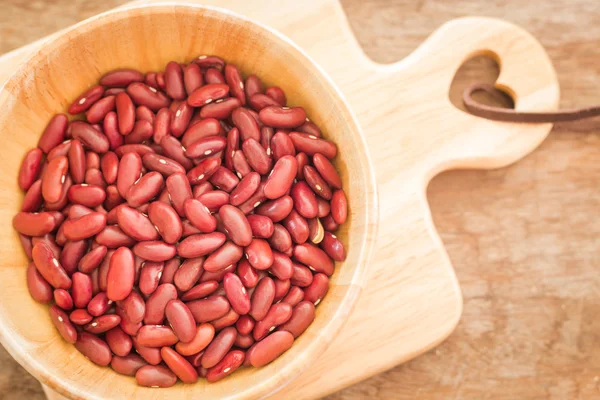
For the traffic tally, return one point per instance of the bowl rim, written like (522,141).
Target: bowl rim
(288,371)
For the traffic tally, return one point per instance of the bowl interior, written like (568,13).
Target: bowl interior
(146,38)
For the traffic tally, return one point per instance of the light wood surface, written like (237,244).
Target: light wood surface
(418,378)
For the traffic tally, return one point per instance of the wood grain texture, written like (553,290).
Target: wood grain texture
(505,229)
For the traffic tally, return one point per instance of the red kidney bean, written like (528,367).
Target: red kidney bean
(236,224)
(125,113)
(339,207)
(259,101)
(228,319)
(77,210)
(244,341)
(149,354)
(277,315)
(233,77)
(145,189)
(156,304)
(297,227)
(277,94)
(49,267)
(121,274)
(92,259)
(81,290)
(310,128)
(155,376)
(33,198)
(188,273)
(53,179)
(226,255)
(206,146)
(282,287)
(103,271)
(174,81)
(220,109)
(85,226)
(305,202)
(134,308)
(148,96)
(94,348)
(329,224)
(112,237)
(245,122)
(228,365)
(200,244)
(150,80)
(327,170)
(154,250)
(214,200)
(34,224)
(281,177)
(245,189)
(188,229)
(103,323)
(113,199)
(142,131)
(121,78)
(86,100)
(140,149)
(98,111)
(199,215)
(111,130)
(60,150)
(162,125)
(182,320)
(203,171)
(333,247)
(294,296)
(240,164)
(253,86)
(63,299)
(63,325)
(256,156)
(166,221)
(179,191)
(218,275)
(247,274)
(214,76)
(262,227)
(281,239)
(205,128)
(207,94)
(315,230)
(128,364)
(302,276)
(262,298)
(281,145)
(179,365)
(110,167)
(224,179)
(282,266)
(181,119)
(317,289)
(203,335)
(26,244)
(317,183)
(277,210)
(87,195)
(311,145)
(48,240)
(236,293)
(201,290)
(99,304)
(90,137)
(156,336)
(259,254)
(129,171)
(162,164)
(244,325)
(143,112)
(302,159)
(313,257)
(282,117)
(80,317)
(39,289)
(30,168)
(270,348)
(150,277)
(94,177)
(160,81)
(219,347)
(192,78)
(120,343)
(208,309)
(54,133)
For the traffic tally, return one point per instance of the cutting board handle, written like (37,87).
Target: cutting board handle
(415,94)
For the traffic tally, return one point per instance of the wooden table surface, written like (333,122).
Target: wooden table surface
(523,239)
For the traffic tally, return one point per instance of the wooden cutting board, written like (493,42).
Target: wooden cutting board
(412,301)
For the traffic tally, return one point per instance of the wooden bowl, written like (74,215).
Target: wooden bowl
(146,38)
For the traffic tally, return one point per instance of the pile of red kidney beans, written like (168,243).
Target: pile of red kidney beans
(181,225)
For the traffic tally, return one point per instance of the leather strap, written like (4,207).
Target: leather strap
(509,115)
